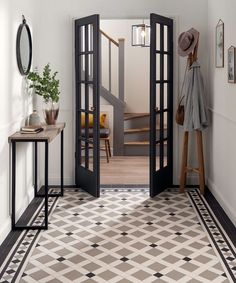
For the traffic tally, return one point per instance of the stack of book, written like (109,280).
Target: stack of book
(31,129)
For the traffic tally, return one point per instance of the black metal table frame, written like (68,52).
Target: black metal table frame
(36,194)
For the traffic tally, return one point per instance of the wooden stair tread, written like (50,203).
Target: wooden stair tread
(137,143)
(129,116)
(140,130)
(140,143)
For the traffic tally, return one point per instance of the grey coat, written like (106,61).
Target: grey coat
(195,100)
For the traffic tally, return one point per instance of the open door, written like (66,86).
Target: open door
(161,104)
(87,78)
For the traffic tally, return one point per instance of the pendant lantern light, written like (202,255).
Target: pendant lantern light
(141,35)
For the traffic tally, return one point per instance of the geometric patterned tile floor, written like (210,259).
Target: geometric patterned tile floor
(124,237)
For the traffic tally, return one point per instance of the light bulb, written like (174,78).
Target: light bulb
(143,33)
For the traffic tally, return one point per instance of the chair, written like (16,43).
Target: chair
(104,136)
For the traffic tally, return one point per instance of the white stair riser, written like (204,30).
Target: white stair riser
(135,123)
(134,150)
(141,136)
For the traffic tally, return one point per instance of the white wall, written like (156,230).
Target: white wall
(221,157)
(54,44)
(136,65)
(14,107)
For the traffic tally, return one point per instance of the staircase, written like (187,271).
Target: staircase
(136,134)
(130,130)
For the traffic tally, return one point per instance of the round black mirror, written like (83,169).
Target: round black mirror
(24,48)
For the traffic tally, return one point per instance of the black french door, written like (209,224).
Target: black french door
(161,104)
(87,75)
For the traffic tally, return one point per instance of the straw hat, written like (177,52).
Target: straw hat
(187,42)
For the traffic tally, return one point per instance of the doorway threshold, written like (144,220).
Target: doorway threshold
(127,186)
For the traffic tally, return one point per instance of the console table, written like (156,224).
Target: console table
(46,136)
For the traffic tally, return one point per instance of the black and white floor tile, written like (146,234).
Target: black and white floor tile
(125,236)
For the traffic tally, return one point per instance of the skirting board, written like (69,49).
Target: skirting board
(192,179)
(6,227)
(56,180)
(229,210)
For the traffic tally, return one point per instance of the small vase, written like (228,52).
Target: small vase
(34,119)
(50,111)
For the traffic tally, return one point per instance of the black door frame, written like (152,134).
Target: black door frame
(162,178)
(87,179)
(159,179)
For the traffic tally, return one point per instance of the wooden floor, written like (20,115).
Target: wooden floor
(125,170)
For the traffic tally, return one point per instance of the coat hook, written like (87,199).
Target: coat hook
(220,22)
(23,19)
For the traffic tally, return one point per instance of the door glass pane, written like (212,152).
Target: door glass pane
(161,96)
(82,87)
(157,127)
(91,105)
(165,154)
(82,39)
(165,96)
(158,77)
(165,126)
(82,67)
(165,67)
(86,125)
(158,96)
(90,66)
(157,157)
(83,154)
(90,37)
(157,37)
(87,87)
(165,38)
(91,157)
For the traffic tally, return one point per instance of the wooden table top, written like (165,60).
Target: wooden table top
(48,134)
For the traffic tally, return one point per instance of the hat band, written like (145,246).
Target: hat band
(190,43)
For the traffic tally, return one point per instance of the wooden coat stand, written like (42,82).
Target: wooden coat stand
(184,167)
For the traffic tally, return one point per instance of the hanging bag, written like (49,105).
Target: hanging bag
(179,116)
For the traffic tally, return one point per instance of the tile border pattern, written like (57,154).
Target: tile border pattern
(13,267)
(222,245)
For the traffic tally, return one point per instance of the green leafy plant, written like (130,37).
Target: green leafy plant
(46,85)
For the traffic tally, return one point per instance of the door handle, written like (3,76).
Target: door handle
(92,108)
(156,109)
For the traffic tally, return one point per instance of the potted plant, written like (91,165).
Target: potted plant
(47,86)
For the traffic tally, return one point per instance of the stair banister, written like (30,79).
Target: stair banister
(109,38)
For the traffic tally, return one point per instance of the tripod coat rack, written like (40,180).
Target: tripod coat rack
(185,168)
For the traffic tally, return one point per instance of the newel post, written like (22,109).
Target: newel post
(121,71)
